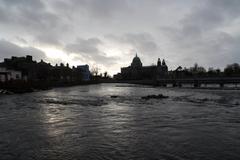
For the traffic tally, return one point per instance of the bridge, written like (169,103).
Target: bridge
(197,82)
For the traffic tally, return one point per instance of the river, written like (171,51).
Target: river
(85,123)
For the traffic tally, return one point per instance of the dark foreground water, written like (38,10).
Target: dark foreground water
(86,123)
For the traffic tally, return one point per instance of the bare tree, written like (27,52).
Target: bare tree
(105,74)
(95,70)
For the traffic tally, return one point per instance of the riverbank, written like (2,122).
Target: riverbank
(188,86)
(18,87)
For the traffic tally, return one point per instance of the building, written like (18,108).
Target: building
(25,68)
(84,71)
(9,74)
(136,71)
(26,65)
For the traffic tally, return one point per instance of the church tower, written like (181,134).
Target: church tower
(162,69)
(159,62)
(163,63)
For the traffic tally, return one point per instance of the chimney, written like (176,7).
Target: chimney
(6,60)
(29,58)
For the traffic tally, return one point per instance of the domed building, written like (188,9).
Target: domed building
(136,71)
(136,62)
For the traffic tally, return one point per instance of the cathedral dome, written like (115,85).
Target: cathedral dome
(136,62)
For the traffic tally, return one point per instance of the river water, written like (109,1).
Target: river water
(85,123)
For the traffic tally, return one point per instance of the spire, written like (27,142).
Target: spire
(159,62)
(136,54)
(163,62)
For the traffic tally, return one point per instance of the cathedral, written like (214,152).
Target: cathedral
(136,71)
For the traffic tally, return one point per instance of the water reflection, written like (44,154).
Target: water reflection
(86,123)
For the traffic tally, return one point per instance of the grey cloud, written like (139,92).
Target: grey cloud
(200,35)
(88,49)
(231,8)
(8,49)
(48,39)
(142,42)
(212,14)
(30,17)
(3,15)
(21,40)
(210,49)
(104,7)
(95,8)
(19,10)
(190,31)
(89,46)
(24,3)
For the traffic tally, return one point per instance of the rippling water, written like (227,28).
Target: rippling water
(84,122)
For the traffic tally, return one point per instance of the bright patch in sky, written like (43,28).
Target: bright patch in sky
(57,56)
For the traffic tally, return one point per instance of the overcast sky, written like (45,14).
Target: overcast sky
(108,33)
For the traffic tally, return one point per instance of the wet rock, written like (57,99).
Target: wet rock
(5,92)
(205,99)
(114,96)
(160,96)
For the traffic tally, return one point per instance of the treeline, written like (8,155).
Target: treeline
(231,70)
